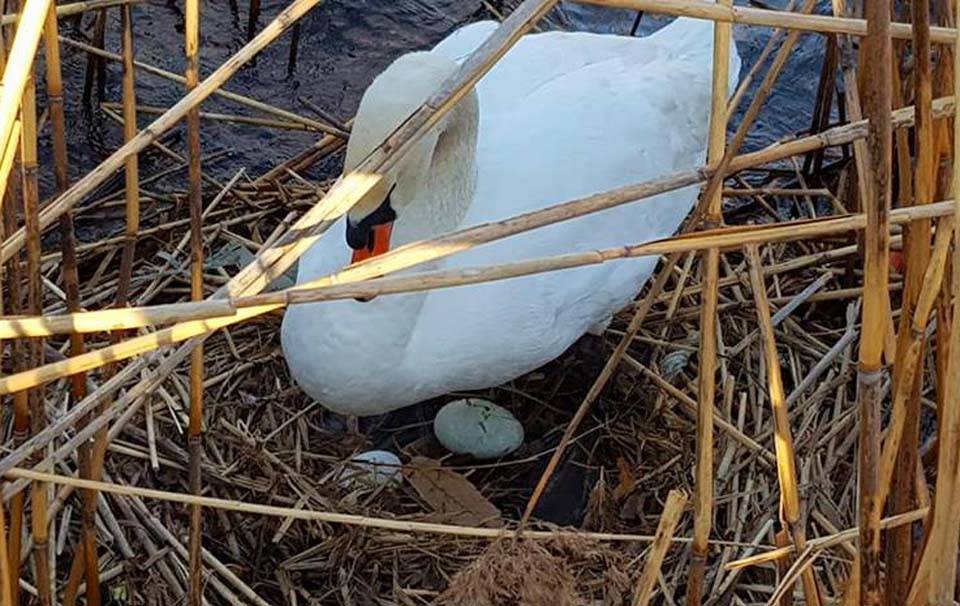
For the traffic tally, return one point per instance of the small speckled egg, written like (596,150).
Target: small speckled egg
(373,468)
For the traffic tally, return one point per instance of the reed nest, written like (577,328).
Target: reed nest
(773,421)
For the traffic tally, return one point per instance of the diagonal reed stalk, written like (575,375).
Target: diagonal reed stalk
(672,510)
(790,508)
(195,196)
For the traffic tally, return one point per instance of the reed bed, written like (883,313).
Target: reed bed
(773,421)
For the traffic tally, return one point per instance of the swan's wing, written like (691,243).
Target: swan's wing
(612,122)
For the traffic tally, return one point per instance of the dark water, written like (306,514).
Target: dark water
(344,44)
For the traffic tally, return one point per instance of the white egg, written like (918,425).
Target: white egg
(372,468)
(479,428)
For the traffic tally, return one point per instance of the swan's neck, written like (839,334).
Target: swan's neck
(444,197)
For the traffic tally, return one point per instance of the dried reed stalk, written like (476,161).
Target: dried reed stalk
(6,580)
(935,580)
(698,9)
(903,437)
(195,197)
(323,516)
(18,68)
(72,9)
(247,120)
(14,303)
(131,164)
(31,208)
(672,510)
(338,286)
(703,504)
(753,110)
(876,304)
(790,507)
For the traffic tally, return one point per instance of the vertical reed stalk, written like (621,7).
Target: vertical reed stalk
(294,49)
(876,306)
(935,581)
(6,594)
(68,270)
(195,434)
(790,507)
(703,494)
(131,166)
(253,16)
(71,280)
(905,419)
(21,407)
(714,186)
(31,214)
(96,66)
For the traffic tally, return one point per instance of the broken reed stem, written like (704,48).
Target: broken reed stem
(86,185)
(195,197)
(902,443)
(876,304)
(935,580)
(18,69)
(131,164)
(672,510)
(698,9)
(913,339)
(703,503)
(790,507)
(343,284)
(6,593)
(31,205)
(609,368)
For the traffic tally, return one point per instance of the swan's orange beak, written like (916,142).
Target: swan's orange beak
(379,242)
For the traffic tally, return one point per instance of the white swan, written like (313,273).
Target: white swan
(561,116)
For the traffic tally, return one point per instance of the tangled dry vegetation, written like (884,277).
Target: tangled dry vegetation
(617,522)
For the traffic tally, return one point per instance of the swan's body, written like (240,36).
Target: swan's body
(561,116)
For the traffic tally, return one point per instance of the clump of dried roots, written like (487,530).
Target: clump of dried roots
(512,573)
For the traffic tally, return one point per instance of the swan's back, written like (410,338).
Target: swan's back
(564,116)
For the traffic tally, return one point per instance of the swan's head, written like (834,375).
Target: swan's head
(392,98)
